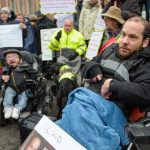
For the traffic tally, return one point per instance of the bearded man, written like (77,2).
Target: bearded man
(121,73)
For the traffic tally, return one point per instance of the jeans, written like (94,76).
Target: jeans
(147,9)
(9,97)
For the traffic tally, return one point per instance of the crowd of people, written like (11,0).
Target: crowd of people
(118,73)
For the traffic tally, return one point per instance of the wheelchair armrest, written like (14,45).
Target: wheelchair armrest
(139,132)
(30,82)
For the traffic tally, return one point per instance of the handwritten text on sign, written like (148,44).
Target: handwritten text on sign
(57,6)
(58,138)
(45,38)
(94,44)
(10,36)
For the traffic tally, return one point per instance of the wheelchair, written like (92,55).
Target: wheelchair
(138,132)
(39,92)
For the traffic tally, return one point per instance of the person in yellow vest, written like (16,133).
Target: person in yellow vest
(114,22)
(70,38)
(70,43)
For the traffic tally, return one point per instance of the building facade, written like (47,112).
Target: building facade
(26,7)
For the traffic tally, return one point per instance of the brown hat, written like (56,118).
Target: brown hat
(115,13)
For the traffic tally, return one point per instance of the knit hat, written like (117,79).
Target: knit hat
(115,13)
(5,10)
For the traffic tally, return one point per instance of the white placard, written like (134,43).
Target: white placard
(99,23)
(45,38)
(61,18)
(10,36)
(50,133)
(57,6)
(94,44)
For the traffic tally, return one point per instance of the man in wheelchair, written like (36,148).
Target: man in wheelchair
(14,76)
(119,77)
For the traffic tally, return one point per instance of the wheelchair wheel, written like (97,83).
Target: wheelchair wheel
(2,120)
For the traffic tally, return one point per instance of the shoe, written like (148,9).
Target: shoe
(7,112)
(16,113)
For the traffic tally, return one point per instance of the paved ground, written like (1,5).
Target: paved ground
(10,133)
(9,136)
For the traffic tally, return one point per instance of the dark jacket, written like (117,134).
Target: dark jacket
(29,41)
(131,84)
(129,8)
(43,23)
(19,75)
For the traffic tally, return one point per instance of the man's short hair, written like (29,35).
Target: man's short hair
(146,24)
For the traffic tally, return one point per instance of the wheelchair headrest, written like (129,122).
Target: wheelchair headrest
(27,56)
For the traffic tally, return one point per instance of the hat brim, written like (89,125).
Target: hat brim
(121,21)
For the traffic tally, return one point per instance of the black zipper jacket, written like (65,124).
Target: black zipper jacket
(131,84)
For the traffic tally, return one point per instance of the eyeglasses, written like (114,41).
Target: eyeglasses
(10,57)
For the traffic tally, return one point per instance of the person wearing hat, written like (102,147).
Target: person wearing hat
(5,18)
(14,76)
(129,8)
(113,21)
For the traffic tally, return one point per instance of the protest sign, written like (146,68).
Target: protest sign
(45,38)
(11,36)
(94,44)
(48,136)
(61,19)
(99,23)
(57,6)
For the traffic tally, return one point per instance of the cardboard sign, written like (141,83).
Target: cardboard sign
(11,36)
(48,136)
(45,38)
(94,44)
(57,6)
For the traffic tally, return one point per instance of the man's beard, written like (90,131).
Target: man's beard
(125,55)
(128,54)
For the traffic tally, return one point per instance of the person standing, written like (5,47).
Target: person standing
(29,40)
(88,17)
(129,8)
(114,22)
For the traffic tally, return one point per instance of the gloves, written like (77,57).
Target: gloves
(54,68)
(58,36)
(73,56)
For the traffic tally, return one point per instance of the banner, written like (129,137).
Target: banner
(99,23)
(11,36)
(45,38)
(57,6)
(94,44)
(48,136)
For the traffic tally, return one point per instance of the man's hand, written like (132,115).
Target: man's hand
(105,89)
(97,78)
(73,56)
(58,36)
(5,78)
(22,26)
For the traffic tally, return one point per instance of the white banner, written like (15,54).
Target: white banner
(94,44)
(61,18)
(45,38)
(57,6)
(99,23)
(10,36)
(48,136)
